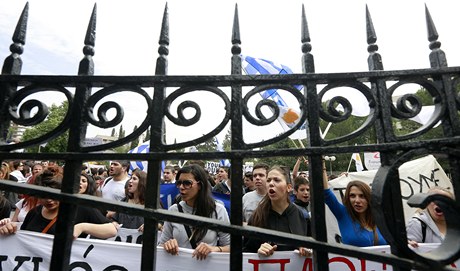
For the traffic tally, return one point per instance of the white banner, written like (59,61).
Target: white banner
(31,251)
(372,160)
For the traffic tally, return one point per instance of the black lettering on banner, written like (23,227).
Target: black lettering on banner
(139,239)
(20,260)
(2,259)
(83,265)
(115,267)
(37,261)
(415,181)
(410,187)
(429,181)
(88,250)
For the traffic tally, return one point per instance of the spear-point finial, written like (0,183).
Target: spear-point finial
(437,56)
(305,35)
(236,40)
(308,63)
(374,61)
(90,38)
(371,35)
(19,35)
(86,66)
(164,35)
(431,29)
(163,50)
(13,63)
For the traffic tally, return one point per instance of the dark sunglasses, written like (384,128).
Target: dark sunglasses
(185,183)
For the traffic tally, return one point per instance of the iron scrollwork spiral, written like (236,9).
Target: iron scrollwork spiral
(182,120)
(29,112)
(274,107)
(332,114)
(410,105)
(102,120)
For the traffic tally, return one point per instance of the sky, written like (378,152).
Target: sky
(127,36)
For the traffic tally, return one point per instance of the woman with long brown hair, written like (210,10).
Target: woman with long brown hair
(276,212)
(135,194)
(356,221)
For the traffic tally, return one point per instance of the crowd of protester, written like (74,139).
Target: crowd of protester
(274,198)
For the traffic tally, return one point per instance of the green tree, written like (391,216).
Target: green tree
(147,135)
(113,132)
(226,144)
(207,146)
(121,132)
(55,117)
(135,142)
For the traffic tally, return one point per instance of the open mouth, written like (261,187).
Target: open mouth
(271,191)
(438,210)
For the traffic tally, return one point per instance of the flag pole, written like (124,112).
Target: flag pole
(349,164)
(323,135)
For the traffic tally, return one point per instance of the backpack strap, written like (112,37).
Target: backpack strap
(187,229)
(106,181)
(423,224)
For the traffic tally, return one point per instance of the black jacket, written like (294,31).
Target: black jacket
(290,221)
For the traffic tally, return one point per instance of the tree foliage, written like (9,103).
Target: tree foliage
(135,142)
(227,144)
(208,146)
(55,117)
(121,132)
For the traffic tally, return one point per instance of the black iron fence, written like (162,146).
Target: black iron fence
(376,85)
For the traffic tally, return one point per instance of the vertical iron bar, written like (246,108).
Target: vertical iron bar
(451,122)
(237,143)
(157,141)
(319,229)
(384,133)
(62,245)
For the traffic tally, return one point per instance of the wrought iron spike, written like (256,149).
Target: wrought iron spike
(164,35)
(236,28)
(432,32)
(19,35)
(374,61)
(13,63)
(308,63)
(305,35)
(90,38)
(371,35)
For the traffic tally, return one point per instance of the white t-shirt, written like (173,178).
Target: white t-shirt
(114,190)
(19,176)
(23,210)
(250,202)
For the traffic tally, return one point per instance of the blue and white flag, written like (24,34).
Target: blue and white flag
(289,117)
(219,147)
(142,165)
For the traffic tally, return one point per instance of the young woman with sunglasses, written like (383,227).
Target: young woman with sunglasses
(197,199)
